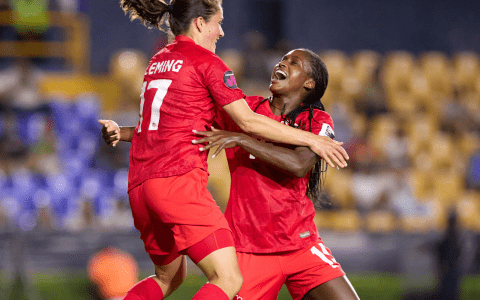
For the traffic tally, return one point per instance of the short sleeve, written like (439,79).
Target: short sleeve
(220,81)
(322,124)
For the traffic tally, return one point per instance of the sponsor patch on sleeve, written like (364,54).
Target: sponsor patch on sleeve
(229,80)
(327,131)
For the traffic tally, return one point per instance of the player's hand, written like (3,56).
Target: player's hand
(110,132)
(221,138)
(330,150)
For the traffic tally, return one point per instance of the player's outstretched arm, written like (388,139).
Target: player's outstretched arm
(331,151)
(296,162)
(112,133)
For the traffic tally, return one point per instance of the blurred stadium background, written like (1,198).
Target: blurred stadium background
(404,93)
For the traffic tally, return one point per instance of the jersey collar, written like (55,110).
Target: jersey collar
(183,38)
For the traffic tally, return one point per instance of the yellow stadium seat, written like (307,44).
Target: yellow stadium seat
(469,143)
(401,104)
(322,219)
(468,211)
(380,222)
(415,224)
(466,70)
(127,67)
(422,183)
(419,130)
(420,87)
(382,128)
(346,220)
(448,185)
(365,63)
(442,149)
(338,184)
(398,70)
(436,67)
(337,63)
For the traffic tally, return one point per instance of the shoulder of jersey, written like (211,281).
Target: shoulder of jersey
(253,101)
(322,116)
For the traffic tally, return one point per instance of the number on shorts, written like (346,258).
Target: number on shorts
(323,255)
(162,86)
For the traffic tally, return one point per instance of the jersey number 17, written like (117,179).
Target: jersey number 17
(161,86)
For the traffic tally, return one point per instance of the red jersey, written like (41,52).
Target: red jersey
(182,84)
(268,211)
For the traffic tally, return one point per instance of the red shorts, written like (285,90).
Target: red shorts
(174,213)
(300,270)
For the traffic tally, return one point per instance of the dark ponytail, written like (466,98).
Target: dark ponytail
(182,12)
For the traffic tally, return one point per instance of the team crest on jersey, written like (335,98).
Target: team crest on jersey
(327,131)
(229,80)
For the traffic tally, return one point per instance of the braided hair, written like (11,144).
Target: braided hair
(313,101)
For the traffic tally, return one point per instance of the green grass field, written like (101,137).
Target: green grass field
(75,286)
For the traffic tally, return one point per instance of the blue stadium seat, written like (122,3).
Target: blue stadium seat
(60,186)
(23,182)
(120,183)
(31,126)
(88,145)
(87,111)
(41,198)
(65,120)
(60,111)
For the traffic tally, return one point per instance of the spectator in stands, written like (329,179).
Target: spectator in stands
(396,150)
(455,117)
(113,272)
(83,217)
(401,198)
(372,99)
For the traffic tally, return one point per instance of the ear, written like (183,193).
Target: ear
(199,23)
(309,84)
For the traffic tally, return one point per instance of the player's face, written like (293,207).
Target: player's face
(213,31)
(290,75)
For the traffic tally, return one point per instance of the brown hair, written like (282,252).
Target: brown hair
(181,12)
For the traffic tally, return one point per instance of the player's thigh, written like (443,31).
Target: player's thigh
(173,273)
(336,289)
(221,263)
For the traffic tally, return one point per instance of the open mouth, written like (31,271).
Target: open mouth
(279,75)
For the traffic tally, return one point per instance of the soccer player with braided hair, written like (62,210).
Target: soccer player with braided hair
(171,207)
(269,211)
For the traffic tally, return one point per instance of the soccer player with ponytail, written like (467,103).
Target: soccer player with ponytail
(171,207)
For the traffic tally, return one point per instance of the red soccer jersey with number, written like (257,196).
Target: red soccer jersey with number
(182,84)
(268,211)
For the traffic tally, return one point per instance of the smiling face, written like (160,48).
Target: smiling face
(212,31)
(291,75)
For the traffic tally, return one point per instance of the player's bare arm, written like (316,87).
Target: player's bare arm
(112,133)
(331,151)
(294,162)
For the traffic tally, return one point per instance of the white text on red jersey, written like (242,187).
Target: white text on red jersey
(164,66)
